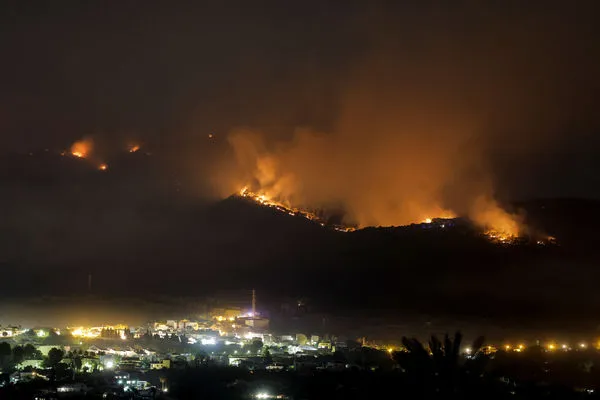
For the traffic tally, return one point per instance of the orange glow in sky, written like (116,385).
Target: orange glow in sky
(81,148)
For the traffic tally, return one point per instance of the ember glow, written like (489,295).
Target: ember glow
(267,201)
(386,188)
(501,237)
(498,225)
(82,148)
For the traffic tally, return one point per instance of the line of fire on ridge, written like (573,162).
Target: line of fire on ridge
(493,235)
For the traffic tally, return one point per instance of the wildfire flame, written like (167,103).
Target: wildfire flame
(498,225)
(267,201)
(103,167)
(82,148)
(134,148)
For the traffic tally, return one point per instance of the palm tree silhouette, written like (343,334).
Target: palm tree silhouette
(441,370)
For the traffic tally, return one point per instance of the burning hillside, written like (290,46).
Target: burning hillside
(385,188)
(507,233)
(264,200)
(82,148)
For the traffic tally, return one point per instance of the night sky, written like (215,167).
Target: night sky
(381,108)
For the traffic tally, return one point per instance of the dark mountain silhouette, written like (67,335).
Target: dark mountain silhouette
(443,271)
(140,231)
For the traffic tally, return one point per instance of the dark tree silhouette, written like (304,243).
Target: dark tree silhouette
(201,358)
(5,355)
(55,356)
(77,363)
(441,370)
(31,353)
(255,346)
(18,354)
(266,354)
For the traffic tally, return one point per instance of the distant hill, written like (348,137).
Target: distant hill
(140,232)
(574,221)
(433,270)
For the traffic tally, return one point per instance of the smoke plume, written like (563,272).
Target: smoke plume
(377,179)
(82,148)
(393,157)
(423,114)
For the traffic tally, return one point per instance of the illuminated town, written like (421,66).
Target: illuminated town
(136,361)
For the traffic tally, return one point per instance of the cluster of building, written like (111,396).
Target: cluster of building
(11,330)
(133,356)
(225,339)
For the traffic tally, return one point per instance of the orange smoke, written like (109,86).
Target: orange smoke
(409,139)
(497,223)
(388,187)
(82,148)
(307,175)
